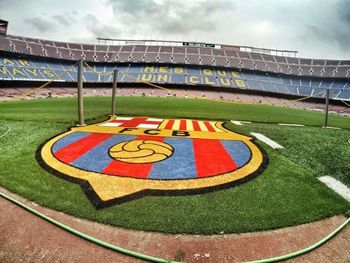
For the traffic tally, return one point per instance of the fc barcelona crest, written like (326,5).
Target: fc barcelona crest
(127,157)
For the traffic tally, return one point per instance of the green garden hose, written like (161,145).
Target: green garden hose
(154,259)
(87,237)
(305,250)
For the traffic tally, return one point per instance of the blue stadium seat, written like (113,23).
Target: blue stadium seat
(345,94)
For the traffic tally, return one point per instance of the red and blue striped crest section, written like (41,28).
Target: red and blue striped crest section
(191,158)
(128,155)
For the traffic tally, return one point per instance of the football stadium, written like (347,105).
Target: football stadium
(155,150)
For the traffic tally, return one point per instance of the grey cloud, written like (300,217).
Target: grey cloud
(344,11)
(170,17)
(91,19)
(106,31)
(133,6)
(204,16)
(64,20)
(343,40)
(98,29)
(335,31)
(333,34)
(185,21)
(41,24)
(214,6)
(313,31)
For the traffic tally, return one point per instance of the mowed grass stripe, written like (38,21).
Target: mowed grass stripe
(65,110)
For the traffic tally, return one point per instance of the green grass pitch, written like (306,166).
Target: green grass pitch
(286,193)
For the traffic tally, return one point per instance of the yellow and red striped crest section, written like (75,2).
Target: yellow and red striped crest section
(126,157)
(190,125)
(168,124)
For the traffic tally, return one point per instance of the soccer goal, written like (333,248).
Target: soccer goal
(80,84)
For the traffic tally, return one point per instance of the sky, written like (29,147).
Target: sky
(315,28)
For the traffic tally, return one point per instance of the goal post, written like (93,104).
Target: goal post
(326,109)
(80,85)
(114,90)
(80,93)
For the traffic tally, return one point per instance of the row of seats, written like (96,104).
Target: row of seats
(156,68)
(45,69)
(178,55)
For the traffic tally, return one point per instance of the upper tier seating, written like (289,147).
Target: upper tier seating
(177,55)
(44,69)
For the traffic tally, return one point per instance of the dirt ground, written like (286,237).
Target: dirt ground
(25,237)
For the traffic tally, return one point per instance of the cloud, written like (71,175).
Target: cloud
(333,29)
(171,17)
(98,29)
(65,20)
(133,7)
(344,11)
(342,32)
(41,24)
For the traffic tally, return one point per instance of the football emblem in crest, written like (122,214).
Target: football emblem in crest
(127,157)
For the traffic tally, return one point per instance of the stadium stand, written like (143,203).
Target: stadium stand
(194,55)
(19,68)
(29,59)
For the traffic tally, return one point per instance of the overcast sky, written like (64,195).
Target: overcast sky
(315,28)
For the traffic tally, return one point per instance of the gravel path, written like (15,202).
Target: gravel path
(25,237)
